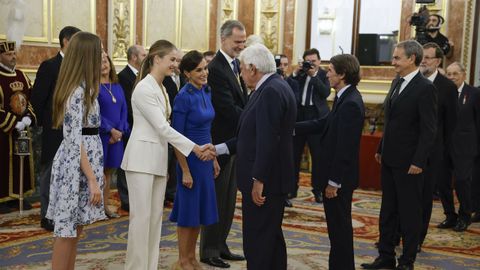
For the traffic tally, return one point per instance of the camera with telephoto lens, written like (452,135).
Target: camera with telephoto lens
(419,20)
(306,65)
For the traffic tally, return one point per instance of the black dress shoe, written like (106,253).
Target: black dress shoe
(447,223)
(47,224)
(380,263)
(404,267)
(215,262)
(318,198)
(231,257)
(476,217)
(288,203)
(461,225)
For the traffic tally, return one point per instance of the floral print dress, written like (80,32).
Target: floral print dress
(69,193)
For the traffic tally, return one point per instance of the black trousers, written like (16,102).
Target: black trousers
(122,181)
(263,242)
(461,169)
(431,174)
(338,212)
(213,238)
(45,174)
(476,186)
(401,204)
(172,175)
(307,113)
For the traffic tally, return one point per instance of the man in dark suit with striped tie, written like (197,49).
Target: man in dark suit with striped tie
(410,124)
(229,96)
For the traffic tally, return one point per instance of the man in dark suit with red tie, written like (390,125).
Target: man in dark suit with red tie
(127,78)
(229,96)
(311,97)
(462,152)
(264,159)
(41,99)
(447,117)
(410,124)
(340,137)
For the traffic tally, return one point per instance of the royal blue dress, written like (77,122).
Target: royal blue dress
(192,116)
(113,112)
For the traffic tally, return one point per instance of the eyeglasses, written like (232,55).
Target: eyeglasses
(429,58)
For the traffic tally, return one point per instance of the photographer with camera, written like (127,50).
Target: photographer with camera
(434,24)
(427,29)
(314,89)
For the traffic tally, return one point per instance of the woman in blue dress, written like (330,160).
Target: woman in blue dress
(114,125)
(77,170)
(195,201)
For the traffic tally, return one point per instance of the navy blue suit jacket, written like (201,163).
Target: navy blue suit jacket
(340,140)
(264,143)
(410,124)
(42,99)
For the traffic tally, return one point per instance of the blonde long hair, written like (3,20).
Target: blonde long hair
(82,63)
(161,48)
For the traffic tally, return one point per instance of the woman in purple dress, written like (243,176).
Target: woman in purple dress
(114,125)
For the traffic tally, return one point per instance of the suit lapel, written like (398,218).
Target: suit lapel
(406,91)
(231,76)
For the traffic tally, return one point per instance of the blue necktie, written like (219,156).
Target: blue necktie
(236,69)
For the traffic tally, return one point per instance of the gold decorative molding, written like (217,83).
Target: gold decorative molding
(121,28)
(93,20)
(268,23)
(467,35)
(229,10)
(44,37)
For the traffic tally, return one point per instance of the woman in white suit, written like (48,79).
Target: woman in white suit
(145,159)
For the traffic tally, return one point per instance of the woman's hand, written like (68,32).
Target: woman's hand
(216,168)
(95,192)
(116,135)
(187,180)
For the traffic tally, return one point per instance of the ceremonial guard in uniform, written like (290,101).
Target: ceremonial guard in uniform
(16,114)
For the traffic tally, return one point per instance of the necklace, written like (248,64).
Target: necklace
(109,90)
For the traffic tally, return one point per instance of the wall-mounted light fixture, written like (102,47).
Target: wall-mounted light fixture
(326,20)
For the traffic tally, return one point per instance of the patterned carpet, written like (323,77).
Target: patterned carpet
(23,245)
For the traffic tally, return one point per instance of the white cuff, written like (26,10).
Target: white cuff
(20,126)
(27,121)
(222,149)
(334,184)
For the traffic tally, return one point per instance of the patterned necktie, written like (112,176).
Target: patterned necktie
(396,91)
(236,70)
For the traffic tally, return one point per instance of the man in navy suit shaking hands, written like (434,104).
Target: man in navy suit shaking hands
(340,137)
(264,147)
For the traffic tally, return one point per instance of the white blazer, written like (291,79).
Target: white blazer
(147,148)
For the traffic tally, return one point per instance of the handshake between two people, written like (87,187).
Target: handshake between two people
(205,152)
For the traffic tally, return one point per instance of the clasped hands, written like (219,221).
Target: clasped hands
(115,137)
(205,152)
